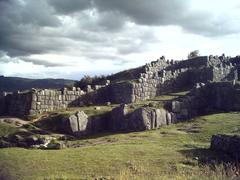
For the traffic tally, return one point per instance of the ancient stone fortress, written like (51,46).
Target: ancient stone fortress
(153,79)
(212,85)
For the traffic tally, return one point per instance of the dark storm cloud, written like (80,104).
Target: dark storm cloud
(5,58)
(68,7)
(42,62)
(21,24)
(154,12)
(37,26)
(171,12)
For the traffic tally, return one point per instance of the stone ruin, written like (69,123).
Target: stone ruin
(38,101)
(202,99)
(153,79)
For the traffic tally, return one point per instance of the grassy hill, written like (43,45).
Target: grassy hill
(177,151)
(16,83)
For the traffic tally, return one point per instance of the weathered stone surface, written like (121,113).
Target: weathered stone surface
(76,124)
(73,123)
(140,119)
(82,121)
(144,118)
(176,106)
(161,118)
(118,120)
(97,108)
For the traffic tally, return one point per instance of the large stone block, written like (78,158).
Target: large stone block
(118,118)
(76,124)
(176,106)
(161,118)
(34,105)
(73,123)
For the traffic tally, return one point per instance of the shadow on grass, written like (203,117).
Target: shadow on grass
(4,173)
(210,157)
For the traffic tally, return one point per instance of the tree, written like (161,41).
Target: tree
(193,54)
(88,80)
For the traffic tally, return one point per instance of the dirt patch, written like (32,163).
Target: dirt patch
(193,129)
(90,143)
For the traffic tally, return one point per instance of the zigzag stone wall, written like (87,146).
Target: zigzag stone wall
(38,101)
(164,76)
(158,77)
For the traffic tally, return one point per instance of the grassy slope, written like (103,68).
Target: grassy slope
(167,152)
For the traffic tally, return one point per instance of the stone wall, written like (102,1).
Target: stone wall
(17,103)
(38,101)
(163,76)
(155,78)
(49,100)
(205,99)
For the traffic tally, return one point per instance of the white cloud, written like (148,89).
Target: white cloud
(54,39)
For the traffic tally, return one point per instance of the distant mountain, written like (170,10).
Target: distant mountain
(16,83)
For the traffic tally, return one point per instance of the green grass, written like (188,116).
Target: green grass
(158,101)
(6,129)
(165,153)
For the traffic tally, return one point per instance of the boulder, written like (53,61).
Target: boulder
(143,118)
(161,118)
(140,119)
(108,103)
(169,118)
(76,124)
(73,123)
(146,118)
(176,106)
(118,118)
(82,121)
(97,108)
(56,145)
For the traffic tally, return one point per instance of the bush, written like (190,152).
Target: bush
(88,80)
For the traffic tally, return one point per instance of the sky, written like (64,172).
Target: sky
(72,38)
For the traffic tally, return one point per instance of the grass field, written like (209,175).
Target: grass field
(171,152)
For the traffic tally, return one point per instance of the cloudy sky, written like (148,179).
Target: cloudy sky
(70,38)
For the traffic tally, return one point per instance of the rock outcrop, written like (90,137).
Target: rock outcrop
(205,99)
(146,118)
(227,144)
(32,141)
(76,124)
(143,118)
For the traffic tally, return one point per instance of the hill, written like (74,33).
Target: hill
(178,151)
(17,83)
